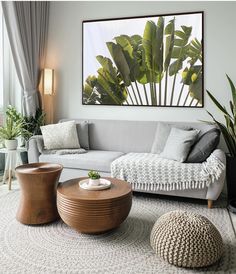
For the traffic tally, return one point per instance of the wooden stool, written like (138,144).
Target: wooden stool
(38,183)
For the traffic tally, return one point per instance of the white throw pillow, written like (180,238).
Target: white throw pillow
(60,136)
(179,143)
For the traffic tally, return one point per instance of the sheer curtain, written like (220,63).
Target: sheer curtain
(27,26)
(10,90)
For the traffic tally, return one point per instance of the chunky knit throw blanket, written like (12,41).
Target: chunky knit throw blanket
(148,171)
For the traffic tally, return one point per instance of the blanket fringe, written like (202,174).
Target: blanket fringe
(212,168)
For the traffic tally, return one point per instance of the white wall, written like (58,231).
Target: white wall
(65,55)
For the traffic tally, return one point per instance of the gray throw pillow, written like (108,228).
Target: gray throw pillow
(204,146)
(83,134)
(161,135)
(178,144)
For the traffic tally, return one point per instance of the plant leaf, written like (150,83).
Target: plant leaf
(175,67)
(169,43)
(230,142)
(220,107)
(120,61)
(233,91)
(150,46)
(195,89)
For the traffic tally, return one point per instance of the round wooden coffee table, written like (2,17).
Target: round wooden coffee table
(96,211)
(38,183)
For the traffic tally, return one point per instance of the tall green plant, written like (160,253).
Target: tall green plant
(229,128)
(31,125)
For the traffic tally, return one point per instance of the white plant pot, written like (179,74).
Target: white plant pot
(93,182)
(11,144)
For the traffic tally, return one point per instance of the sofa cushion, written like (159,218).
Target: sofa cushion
(83,134)
(204,146)
(162,132)
(59,136)
(94,159)
(178,144)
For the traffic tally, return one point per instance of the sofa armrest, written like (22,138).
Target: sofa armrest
(215,189)
(35,147)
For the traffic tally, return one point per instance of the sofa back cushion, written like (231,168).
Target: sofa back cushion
(83,134)
(125,136)
(129,136)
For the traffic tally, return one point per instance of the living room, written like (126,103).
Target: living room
(118,137)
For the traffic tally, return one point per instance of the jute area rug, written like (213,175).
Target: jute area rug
(56,248)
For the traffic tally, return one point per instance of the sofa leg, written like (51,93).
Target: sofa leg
(210,203)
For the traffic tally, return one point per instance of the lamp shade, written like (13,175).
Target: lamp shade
(48,81)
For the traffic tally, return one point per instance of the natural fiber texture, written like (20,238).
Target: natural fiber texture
(186,239)
(146,171)
(56,248)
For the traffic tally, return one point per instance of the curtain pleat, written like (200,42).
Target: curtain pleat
(27,27)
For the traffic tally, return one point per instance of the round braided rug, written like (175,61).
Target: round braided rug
(186,239)
(56,248)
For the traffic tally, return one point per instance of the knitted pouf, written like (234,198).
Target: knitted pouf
(186,239)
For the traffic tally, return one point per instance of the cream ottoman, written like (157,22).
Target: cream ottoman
(186,239)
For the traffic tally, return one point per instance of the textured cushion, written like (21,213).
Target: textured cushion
(204,146)
(83,134)
(161,135)
(93,159)
(178,144)
(61,135)
(186,239)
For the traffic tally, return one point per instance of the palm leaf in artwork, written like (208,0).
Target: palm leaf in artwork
(89,94)
(153,49)
(138,62)
(120,61)
(129,47)
(179,54)
(192,75)
(169,45)
(107,87)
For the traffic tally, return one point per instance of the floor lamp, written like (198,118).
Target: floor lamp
(48,94)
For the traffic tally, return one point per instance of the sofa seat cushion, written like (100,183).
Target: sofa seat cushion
(94,159)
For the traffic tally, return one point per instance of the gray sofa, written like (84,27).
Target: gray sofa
(110,139)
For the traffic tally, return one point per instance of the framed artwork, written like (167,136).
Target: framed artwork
(144,61)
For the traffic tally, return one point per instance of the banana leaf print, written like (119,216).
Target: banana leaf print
(161,67)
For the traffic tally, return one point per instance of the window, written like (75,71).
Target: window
(10,90)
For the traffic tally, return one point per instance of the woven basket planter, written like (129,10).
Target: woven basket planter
(186,239)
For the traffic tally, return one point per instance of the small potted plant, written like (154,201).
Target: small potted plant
(12,129)
(94,178)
